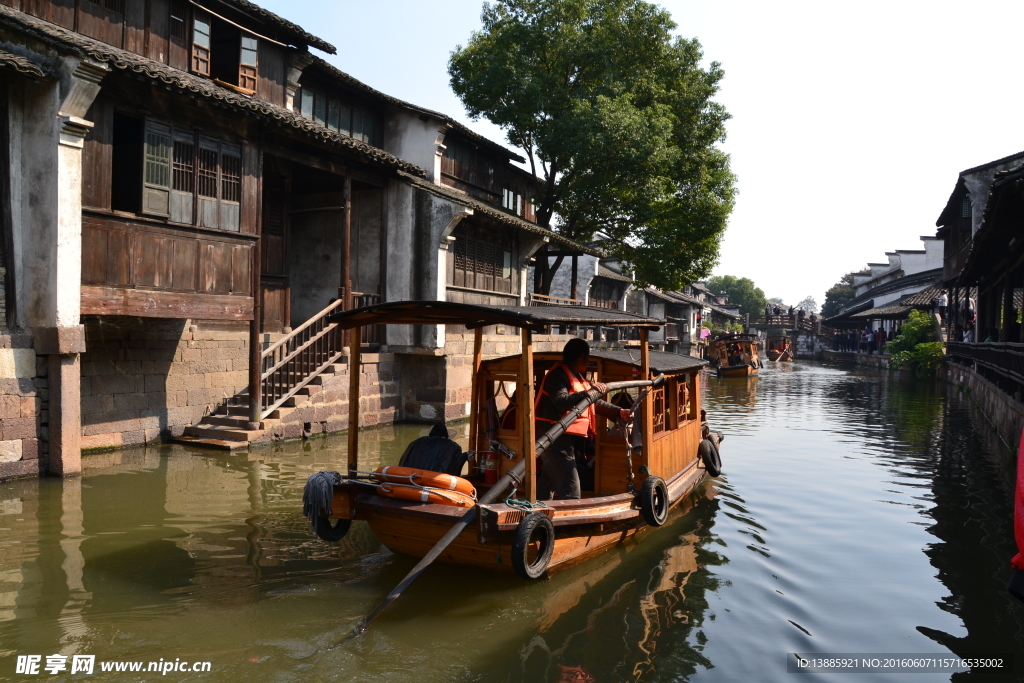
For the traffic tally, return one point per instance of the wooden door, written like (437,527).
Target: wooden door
(274,273)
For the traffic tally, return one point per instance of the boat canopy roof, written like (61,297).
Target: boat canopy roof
(661,362)
(481,315)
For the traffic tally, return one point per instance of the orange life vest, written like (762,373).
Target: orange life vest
(586,423)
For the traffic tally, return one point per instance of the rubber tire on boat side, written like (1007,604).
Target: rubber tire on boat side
(654,500)
(710,456)
(323,528)
(529,525)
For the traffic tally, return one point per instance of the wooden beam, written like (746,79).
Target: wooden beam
(148,303)
(524,404)
(353,400)
(645,373)
(474,406)
(345,287)
(575,268)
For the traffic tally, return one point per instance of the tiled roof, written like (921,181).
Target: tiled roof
(281,24)
(497,214)
(471,135)
(895,311)
(20,64)
(605,271)
(128,62)
(924,298)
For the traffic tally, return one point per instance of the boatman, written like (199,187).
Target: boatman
(562,388)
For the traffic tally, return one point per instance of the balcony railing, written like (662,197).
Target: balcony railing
(545,300)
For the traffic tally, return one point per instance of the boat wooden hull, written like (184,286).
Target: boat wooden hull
(583,528)
(736,371)
(784,356)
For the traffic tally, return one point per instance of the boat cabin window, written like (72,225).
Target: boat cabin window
(684,388)
(661,410)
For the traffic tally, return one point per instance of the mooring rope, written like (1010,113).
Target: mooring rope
(521,504)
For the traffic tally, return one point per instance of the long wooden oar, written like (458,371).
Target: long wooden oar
(513,476)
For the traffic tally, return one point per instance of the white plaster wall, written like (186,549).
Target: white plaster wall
(561,283)
(412,139)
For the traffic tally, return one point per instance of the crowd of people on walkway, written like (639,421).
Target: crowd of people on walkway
(862,341)
(797,314)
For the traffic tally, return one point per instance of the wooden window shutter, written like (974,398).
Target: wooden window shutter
(230,186)
(207,182)
(201,43)
(248,64)
(156,188)
(183,178)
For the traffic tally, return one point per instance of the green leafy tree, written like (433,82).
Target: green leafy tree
(809,305)
(838,295)
(913,346)
(741,291)
(616,117)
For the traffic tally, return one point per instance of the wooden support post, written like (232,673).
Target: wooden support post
(645,373)
(353,400)
(1008,319)
(524,403)
(474,405)
(255,327)
(575,266)
(345,287)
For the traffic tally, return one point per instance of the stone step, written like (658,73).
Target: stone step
(224,421)
(209,431)
(217,444)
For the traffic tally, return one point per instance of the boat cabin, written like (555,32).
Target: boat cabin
(735,355)
(780,348)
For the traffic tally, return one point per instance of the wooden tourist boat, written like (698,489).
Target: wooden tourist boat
(780,349)
(735,355)
(631,488)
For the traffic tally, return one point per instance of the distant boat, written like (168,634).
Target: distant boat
(780,349)
(736,355)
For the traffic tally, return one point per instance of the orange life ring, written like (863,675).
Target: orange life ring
(426,495)
(418,477)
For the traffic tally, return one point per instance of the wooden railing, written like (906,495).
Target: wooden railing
(371,334)
(293,361)
(545,300)
(1002,363)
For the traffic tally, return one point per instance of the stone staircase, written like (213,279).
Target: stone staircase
(228,427)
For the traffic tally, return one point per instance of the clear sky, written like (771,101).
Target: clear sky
(850,120)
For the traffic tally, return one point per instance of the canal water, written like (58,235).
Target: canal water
(857,513)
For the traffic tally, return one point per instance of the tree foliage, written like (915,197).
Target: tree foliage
(838,295)
(808,304)
(913,348)
(615,115)
(741,291)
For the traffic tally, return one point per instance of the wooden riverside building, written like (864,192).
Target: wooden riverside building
(188,193)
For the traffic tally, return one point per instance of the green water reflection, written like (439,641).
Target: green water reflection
(857,513)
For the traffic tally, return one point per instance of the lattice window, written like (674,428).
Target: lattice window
(179,19)
(683,398)
(207,172)
(158,165)
(965,207)
(660,409)
(201,44)
(184,166)
(231,178)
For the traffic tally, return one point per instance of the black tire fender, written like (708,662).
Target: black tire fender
(654,500)
(533,528)
(708,452)
(331,533)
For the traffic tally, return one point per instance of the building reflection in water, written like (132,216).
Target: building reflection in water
(658,585)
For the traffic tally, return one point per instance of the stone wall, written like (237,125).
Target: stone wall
(24,428)
(1004,412)
(146,379)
